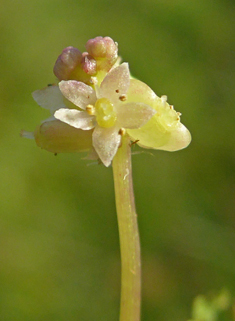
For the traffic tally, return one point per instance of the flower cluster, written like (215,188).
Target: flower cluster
(97,101)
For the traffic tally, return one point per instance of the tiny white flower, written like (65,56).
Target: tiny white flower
(106,108)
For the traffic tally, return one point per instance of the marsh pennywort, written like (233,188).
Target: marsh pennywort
(98,107)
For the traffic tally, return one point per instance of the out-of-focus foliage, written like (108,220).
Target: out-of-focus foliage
(58,234)
(210,309)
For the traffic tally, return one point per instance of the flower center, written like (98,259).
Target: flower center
(105,113)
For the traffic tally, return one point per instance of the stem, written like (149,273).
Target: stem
(128,233)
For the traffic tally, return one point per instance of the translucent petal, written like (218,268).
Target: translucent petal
(75,118)
(179,138)
(139,92)
(26,134)
(49,98)
(92,154)
(78,93)
(154,135)
(116,83)
(58,137)
(106,142)
(134,115)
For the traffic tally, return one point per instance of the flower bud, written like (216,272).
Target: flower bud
(88,64)
(74,65)
(104,50)
(67,62)
(58,137)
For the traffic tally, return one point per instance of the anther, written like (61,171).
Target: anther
(90,109)
(123,97)
(122,131)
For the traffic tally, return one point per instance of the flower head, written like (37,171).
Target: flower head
(105,109)
(97,101)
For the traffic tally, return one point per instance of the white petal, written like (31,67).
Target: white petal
(106,142)
(75,118)
(116,83)
(49,98)
(134,115)
(78,93)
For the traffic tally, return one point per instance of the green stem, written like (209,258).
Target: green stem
(128,234)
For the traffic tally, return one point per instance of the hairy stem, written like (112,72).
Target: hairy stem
(128,234)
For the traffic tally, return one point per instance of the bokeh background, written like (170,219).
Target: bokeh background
(59,248)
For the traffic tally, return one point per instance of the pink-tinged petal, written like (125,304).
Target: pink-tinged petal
(134,115)
(75,118)
(58,137)
(49,98)
(78,93)
(116,83)
(106,142)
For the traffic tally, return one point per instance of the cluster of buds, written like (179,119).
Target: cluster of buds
(96,101)
(100,57)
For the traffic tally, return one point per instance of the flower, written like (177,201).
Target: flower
(164,131)
(97,101)
(53,135)
(106,108)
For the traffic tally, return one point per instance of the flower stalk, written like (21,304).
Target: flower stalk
(97,107)
(128,233)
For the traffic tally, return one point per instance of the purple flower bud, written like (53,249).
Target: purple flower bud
(104,50)
(96,47)
(88,64)
(67,62)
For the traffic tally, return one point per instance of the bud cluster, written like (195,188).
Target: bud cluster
(101,55)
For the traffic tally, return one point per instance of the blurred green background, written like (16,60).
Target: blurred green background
(59,248)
